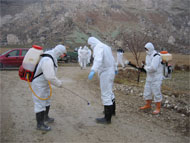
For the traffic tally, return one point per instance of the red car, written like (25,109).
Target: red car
(12,58)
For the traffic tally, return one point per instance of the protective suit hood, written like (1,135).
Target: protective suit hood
(59,50)
(150,48)
(92,41)
(85,47)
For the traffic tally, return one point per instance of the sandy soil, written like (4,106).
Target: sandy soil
(74,119)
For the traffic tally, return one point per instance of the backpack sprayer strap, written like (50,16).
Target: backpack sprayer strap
(156,54)
(44,55)
(48,55)
(35,93)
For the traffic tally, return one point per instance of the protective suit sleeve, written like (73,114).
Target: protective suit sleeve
(98,58)
(154,64)
(49,73)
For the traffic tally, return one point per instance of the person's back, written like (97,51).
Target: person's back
(104,64)
(83,57)
(84,53)
(44,63)
(106,60)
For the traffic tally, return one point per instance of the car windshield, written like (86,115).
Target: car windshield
(5,52)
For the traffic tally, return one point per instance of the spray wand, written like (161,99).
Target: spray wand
(134,66)
(88,103)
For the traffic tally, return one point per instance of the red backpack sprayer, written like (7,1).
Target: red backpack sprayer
(28,68)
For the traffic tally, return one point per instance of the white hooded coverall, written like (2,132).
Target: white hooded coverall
(79,56)
(154,70)
(105,65)
(40,84)
(84,56)
(89,55)
(120,58)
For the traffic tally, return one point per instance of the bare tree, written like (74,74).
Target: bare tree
(135,43)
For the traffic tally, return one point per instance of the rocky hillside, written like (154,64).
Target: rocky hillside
(48,22)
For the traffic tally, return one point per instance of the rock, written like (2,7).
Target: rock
(166,102)
(168,105)
(173,96)
(12,39)
(171,40)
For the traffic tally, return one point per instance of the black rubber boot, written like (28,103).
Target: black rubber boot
(40,122)
(108,115)
(114,107)
(46,117)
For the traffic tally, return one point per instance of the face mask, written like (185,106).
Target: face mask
(147,52)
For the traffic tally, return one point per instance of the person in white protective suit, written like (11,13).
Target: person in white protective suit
(154,70)
(106,67)
(89,56)
(84,57)
(46,71)
(120,53)
(79,56)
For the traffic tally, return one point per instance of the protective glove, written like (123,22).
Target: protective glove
(142,69)
(145,67)
(91,74)
(116,72)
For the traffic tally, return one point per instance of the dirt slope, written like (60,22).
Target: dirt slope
(74,119)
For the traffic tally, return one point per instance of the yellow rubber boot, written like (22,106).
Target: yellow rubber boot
(148,105)
(158,106)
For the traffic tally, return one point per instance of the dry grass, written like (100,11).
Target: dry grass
(177,85)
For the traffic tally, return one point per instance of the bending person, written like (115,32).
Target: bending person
(106,67)
(47,66)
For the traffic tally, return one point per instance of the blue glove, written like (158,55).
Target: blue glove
(116,72)
(91,74)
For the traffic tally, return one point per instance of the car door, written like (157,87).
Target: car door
(21,56)
(11,59)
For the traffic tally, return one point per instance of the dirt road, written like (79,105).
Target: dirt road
(74,119)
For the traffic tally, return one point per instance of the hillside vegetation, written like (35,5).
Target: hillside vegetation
(48,22)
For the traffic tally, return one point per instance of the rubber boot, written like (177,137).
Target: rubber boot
(114,107)
(147,106)
(108,114)
(158,106)
(46,117)
(40,122)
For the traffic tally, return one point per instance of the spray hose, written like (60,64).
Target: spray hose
(88,103)
(35,93)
